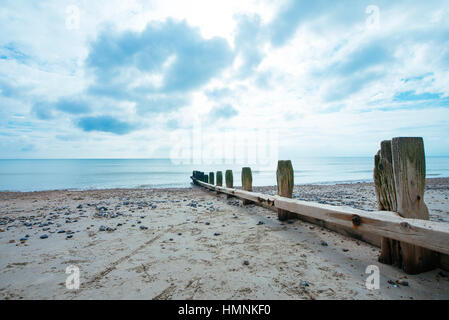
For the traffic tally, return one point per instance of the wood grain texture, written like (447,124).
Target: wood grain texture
(386,200)
(409,168)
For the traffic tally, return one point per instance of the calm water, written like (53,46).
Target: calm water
(35,175)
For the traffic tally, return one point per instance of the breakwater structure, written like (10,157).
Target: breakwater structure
(400,226)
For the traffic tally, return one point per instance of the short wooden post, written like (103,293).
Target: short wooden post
(219,178)
(229,181)
(409,169)
(284,177)
(247,182)
(194,176)
(386,200)
(206,178)
(211,178)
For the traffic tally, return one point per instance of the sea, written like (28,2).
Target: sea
(84,174)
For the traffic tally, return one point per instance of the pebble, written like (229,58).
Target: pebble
(217,234)
(44,236)
(393,283)
(102,228)
(260,223)
(324,243)
(207,223)
(143,227)
(69,236)
(246,263)
(304,283)
(402,282)
(180,234)
(443,274)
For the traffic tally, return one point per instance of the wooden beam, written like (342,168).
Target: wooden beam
(428,234)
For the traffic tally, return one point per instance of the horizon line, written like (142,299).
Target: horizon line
(302,157)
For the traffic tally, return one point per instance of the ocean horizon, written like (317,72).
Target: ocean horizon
(25,175)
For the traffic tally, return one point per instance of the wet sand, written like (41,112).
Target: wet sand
(194,244)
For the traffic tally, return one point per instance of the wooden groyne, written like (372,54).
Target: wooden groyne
(401,226)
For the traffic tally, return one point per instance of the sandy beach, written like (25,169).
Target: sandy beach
(194,244)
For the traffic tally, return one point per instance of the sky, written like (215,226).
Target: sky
(142,79)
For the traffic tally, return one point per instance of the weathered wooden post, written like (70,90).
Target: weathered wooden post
(206,178)
(229,181)
(219,178)
(386,200)
(284,177)
(211,178)
(247,182)
(400,177)
(409,168)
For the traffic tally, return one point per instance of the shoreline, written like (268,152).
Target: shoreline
(433,180)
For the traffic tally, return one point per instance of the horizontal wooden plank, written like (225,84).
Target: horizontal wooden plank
(424,233)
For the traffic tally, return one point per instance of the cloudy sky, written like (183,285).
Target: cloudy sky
(131,79)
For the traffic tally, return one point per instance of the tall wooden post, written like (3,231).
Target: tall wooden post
(206,178)
(211,178)
(219,178)
(399,179)
(247,182)
(284,176)
(409,169)
(386,200)
(229,181)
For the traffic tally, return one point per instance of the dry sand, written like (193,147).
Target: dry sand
(198,245)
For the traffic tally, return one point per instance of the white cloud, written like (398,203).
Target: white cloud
(332,87)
